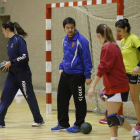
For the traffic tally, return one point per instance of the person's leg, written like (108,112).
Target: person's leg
(104,98)
(113,108)
(77,86)
(63,98)
(25,84)
(104,120)
(8,94)
(114,119)
(134,84)
(135,92)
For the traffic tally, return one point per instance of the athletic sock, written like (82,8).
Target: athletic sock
(114,138)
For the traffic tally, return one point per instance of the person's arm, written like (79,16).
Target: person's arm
(137,68)
(139,51)
(91,90)
(105,66)
(86,58)
(136,43)
(107,61)
(61,64)
(23,53)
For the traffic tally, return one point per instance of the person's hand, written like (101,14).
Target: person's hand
(60,71)
(6,66)
(135,71)
(90,92)
(88,81)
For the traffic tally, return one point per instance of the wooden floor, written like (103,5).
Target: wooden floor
(19,119)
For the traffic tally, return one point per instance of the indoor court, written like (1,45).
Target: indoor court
(19,119)
(42,19)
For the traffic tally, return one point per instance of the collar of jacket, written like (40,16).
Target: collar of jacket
(75,36)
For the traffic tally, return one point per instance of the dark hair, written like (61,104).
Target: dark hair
(122,23)
(106,32)
(69,20)
(14,25)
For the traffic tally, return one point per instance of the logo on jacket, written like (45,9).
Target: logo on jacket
(73,43)
(12,45)
(21,58)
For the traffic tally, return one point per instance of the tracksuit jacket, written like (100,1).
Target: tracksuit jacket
(76,55)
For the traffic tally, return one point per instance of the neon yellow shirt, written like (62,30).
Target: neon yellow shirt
(130,52)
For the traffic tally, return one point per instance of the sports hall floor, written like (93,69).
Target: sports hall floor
(19,119)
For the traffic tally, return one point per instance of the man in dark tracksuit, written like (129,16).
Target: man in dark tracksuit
(19,77)
(75,72)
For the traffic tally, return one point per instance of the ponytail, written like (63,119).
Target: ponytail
(106,32)
(19,30)
(122,23)
(14,27)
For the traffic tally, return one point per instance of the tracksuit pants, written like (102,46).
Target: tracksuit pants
(14,81)
(71,84)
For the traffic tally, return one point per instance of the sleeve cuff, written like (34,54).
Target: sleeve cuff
(99,74)
(88,76)
(60,68)
(138,64)
(12,62)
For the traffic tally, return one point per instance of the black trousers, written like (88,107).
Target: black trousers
(71,84)
(14,81)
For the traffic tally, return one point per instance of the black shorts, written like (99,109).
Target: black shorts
(133,79)
(118,97)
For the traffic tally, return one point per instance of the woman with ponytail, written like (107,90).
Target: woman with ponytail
(19,74)
(130,47)
(115,81)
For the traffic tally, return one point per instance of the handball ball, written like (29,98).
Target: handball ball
(102,93)
(86,128)
(1,64)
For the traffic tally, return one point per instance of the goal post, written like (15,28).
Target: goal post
(49,35)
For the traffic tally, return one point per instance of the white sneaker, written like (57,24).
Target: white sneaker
(136,137)
(37,124)
(1,126)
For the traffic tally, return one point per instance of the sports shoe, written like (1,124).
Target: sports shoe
(137,127)
(2,126)
(103,121)
(58,128)
(35,124)
(136,137)
(73,129)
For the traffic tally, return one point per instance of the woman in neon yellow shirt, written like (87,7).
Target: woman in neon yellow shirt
(130,46)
